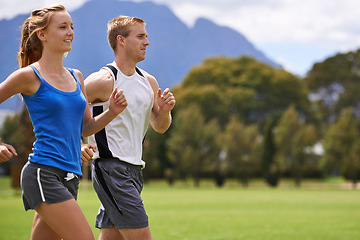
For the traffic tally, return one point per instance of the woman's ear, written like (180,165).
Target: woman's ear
(41,35)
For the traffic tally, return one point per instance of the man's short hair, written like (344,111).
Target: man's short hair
(121,26)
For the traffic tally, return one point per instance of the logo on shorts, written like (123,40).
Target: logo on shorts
(70,176)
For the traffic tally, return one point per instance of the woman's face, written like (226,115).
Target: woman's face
(59,34)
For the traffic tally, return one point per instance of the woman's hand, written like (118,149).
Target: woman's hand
(6,152)
(87,152)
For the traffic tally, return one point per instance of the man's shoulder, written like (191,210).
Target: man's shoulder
(147,75)
(101,76)
(152,80)
(99,86)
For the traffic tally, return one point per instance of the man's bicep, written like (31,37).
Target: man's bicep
(98,86)
(90,88)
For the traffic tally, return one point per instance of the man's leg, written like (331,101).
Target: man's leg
(110,233)
(125,234)
(118,185)
(136,233)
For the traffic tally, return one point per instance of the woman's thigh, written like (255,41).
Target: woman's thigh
(66,219)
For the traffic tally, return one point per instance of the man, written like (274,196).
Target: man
(117,168)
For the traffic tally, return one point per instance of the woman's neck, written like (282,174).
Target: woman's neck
(51,62)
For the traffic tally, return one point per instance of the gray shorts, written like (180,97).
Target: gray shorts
(118,185)
(48,184)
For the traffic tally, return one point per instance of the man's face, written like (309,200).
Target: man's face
(137,42)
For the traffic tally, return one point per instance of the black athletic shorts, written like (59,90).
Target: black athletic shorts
(118,185)
(48,184)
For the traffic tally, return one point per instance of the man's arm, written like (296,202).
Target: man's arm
(99,86)
(160,118)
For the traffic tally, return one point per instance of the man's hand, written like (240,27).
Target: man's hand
(87,152)
(166,101)
(6,152)
(117,101)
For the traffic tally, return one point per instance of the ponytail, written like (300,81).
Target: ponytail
(31,47)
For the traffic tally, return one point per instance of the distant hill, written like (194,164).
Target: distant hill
(174,47)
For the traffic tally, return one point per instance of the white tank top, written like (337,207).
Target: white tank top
(122,138)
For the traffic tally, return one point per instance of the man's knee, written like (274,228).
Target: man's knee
(136,233)
(110,233)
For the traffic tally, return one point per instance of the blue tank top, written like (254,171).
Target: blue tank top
(57,118)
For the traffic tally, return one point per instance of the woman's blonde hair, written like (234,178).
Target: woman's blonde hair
(121,26)
(31,46)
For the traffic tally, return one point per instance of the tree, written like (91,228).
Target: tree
(270,167)
(334,85)
(341,145)
(292,138)
(249,90)
(244,87)
(155,154)
(210,100)
(192,145)
(352,169)
(240,147)
(18,131)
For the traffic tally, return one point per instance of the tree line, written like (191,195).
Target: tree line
(239,118)
(242,119)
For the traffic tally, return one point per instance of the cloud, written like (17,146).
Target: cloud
(306,21)
(9,9)
(295,33)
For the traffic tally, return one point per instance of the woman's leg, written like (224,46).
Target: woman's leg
(41,231)
(65,219)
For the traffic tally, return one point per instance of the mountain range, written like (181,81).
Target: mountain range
(174,47)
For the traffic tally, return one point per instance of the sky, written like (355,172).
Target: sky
(294,33)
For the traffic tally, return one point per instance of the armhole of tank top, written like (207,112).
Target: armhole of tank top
(72,72)
(139,72)
(112,70)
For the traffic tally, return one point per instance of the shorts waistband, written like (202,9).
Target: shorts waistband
(120,162)
(56,170)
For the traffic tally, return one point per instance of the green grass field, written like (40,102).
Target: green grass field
(186,213)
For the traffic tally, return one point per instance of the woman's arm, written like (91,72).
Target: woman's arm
(22,81)
(6,152)
(117,104)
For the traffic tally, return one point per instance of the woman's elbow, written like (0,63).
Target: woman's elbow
(85,134)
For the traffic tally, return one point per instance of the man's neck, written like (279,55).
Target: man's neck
(126,67)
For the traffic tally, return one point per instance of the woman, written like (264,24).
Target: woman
(60,114)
